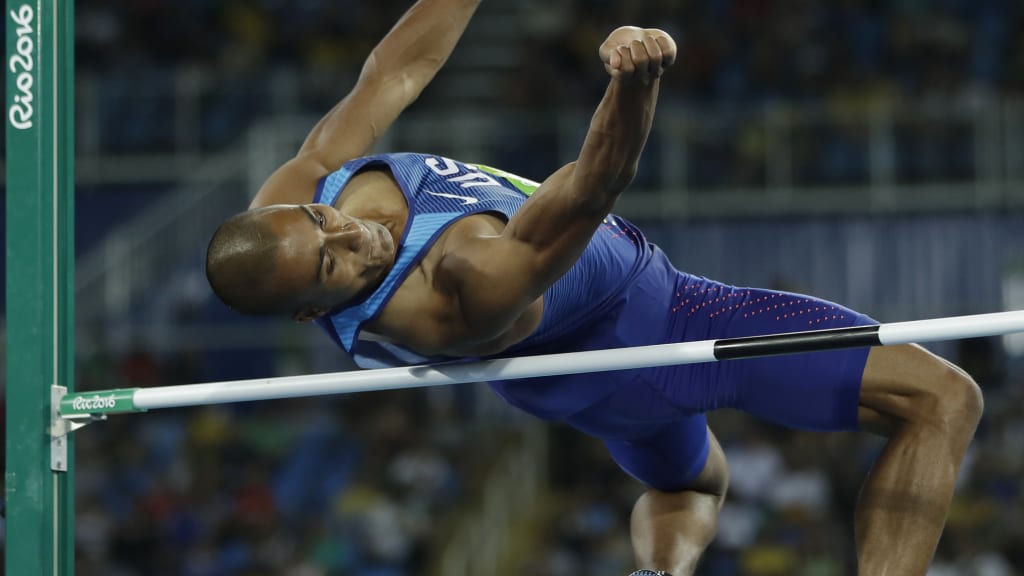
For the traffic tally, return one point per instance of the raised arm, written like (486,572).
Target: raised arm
(500,276)
(635,59)
(393,76)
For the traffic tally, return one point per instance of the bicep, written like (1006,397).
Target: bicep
(394,74)
(553,227)
(501,272)
(354,125)
(392,78)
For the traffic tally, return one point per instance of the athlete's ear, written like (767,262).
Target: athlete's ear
(307,313)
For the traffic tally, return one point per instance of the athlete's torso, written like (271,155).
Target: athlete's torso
(412,303)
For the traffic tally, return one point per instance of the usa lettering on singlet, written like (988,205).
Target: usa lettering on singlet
(439,192)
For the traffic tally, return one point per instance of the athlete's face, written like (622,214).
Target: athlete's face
(327,257)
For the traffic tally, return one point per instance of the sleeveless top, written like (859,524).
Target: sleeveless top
(439,191)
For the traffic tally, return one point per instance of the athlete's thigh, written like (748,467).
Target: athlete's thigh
(677,456)
(815,391)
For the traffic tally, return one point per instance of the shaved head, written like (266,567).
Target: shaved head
(299,260)
(241,262)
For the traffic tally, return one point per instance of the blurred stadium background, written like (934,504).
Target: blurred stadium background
(866,151)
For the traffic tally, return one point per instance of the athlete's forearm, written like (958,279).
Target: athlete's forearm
(420,43)
(635,58)
(616,138)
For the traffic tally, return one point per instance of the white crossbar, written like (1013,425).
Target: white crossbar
(577,362)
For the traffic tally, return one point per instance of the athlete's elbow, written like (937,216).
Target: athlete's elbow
(596,186)
(618,173)
(621,180)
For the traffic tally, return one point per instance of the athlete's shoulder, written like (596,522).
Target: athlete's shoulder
(293,183)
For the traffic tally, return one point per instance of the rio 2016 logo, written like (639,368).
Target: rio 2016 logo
(21,63)
(94,402)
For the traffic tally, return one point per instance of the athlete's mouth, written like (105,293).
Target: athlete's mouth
(382,241)
(382,237)
(371,245)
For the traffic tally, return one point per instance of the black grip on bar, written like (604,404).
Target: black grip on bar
(774,344)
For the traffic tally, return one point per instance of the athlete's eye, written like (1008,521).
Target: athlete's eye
(320,218)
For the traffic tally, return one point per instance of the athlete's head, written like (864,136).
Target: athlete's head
(302,261)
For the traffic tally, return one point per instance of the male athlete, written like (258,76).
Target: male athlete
(407,258)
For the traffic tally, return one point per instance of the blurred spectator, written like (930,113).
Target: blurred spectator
(790,506)
(244,489)
(845,58)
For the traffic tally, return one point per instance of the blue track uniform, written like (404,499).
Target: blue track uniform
(623,291)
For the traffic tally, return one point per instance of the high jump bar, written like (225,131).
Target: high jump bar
(98,403)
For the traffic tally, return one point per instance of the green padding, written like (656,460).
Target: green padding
(40,282)
(99,402)
(525,185)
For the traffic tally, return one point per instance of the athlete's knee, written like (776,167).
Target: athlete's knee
(962,402)
(714,478)
(909,386)
(711,484)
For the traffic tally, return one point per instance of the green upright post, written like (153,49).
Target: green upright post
(40,282)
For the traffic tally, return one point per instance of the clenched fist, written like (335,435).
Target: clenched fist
(631,53)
